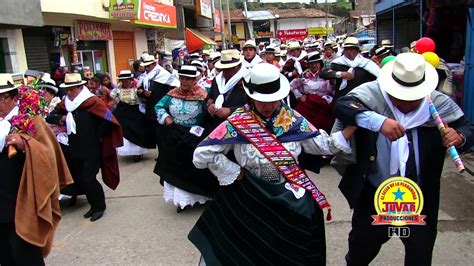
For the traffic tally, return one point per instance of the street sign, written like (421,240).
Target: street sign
(181,54)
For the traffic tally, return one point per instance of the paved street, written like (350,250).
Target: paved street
(140,228)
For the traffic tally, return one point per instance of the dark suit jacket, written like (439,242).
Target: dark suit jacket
(158,90)
(431,150)
(234,100)
(361,76)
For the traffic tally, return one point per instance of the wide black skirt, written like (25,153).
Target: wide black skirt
(175,162)
(254,222)
(136,128)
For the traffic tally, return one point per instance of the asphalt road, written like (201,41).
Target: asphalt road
(140,228)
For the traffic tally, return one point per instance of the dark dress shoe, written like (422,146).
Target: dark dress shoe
(88,214)
(96,215)
(72,201)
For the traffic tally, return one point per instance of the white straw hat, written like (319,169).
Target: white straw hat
(6,83)
(229,59)
(72,80)
(147,60)
(188,71)
(125,74)
(408,77)
(264,83)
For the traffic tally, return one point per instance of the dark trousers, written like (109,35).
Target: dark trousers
(365,239)
(16,251)
(84,173)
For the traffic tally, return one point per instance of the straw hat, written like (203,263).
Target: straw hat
(214,57)
(250,44)
(270,49)
(147,60)
(294,45)
(188,71)
(382,51)
(408,77)
(264,83)
(125,74)
(229,59)
(46,82)
(314,57)
(73,80)
(6,83)
(386,43)
(351,42)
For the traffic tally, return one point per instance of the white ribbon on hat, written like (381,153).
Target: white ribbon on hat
(5,126)
(71,106)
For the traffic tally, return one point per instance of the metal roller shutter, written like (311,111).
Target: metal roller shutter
(407,26)
(124,49)
(384,27)
(36,48)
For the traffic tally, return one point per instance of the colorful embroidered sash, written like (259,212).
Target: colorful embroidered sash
(277,154)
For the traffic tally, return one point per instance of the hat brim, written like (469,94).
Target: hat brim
(220,65)
(393,88)
(125,77)
(8,89)
(189,76)
(250,46)
(64,85)
(279,95)
(148,63)
(350,46)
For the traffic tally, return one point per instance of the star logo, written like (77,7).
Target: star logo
(398,195)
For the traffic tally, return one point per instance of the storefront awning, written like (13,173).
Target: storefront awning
(196,39)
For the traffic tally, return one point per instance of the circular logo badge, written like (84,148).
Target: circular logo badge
(398,201)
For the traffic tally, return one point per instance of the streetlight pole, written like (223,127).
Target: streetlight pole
(327,24)
(224,44)
(230,26)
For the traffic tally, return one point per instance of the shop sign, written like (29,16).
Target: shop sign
(321,31)
(297,34)
(123,9)
(204,8)
(217,20)
(157,15)
(261,34)
(93,31)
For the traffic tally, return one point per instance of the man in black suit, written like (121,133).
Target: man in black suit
(227,93)
(397,137)
(351,69)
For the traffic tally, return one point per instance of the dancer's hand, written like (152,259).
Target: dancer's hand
(17,141)
(303,98)
(223,112)
(168,121)
(347,75)
(451,137)
(211,109)
(241,174)
(392,129)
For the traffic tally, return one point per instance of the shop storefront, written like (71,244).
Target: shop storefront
(91,49)
(46,47)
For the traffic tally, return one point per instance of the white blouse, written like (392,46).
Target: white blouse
(248,157)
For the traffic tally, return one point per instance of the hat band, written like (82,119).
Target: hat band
(187,72)
(8,86)
(126,76)
(234,60)
(72,82)
(215,60)
(264,88)
(408,84)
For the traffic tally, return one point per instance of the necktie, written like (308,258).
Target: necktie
(410,171)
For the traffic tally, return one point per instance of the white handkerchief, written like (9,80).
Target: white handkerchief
(297,191)
(196,130)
